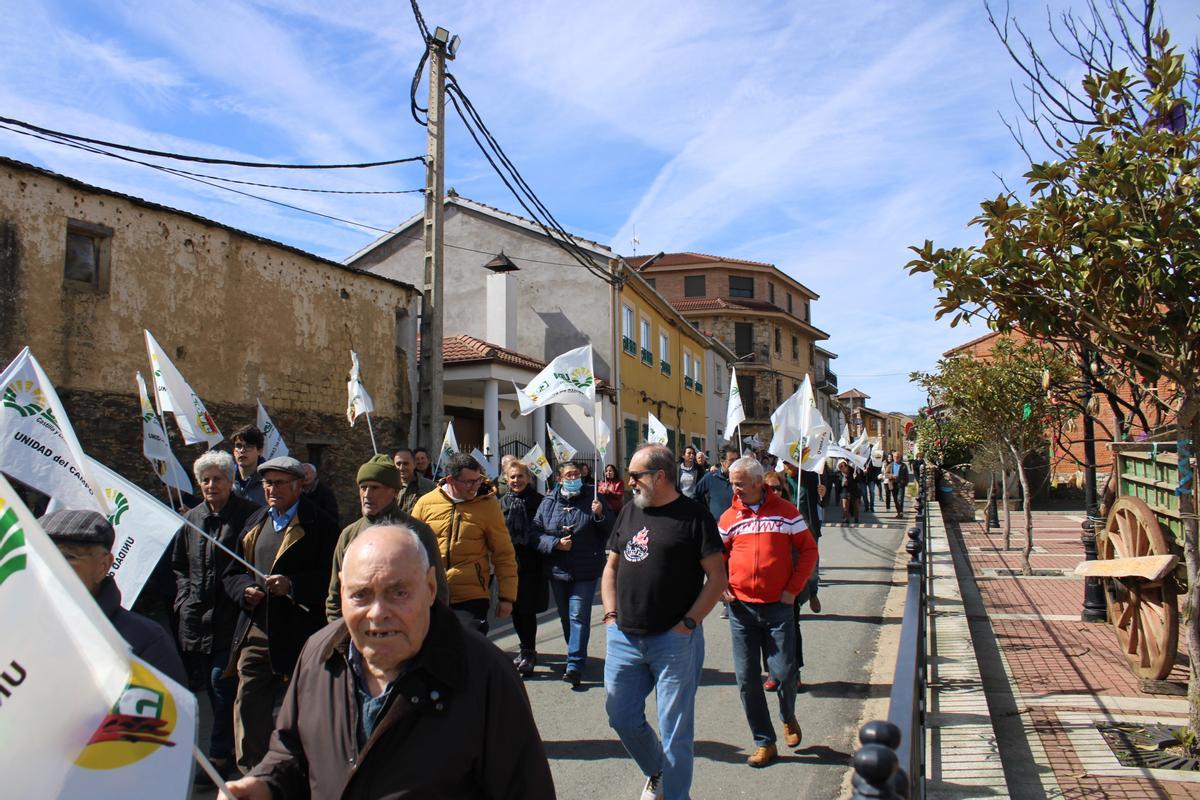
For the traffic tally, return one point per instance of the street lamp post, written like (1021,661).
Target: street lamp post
(1095,609)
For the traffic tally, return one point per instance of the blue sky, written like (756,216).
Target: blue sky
(824,137)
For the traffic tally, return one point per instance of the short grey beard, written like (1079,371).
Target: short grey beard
(641,500)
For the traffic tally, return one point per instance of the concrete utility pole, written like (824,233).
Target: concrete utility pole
(441,49)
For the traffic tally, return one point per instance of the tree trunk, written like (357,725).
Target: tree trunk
(1191,554)
(1026,569)
(1007,510)
(991,498)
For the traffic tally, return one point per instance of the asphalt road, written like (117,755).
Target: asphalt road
(840,644)
(839,647)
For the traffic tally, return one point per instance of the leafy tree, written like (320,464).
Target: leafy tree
(1104,251)
(1000,399)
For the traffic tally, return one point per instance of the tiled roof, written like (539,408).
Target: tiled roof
(464,349)
(679,259)
(967,345)
(722,304)
(694,304)
(853,394)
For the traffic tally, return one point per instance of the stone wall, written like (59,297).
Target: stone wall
(109,429)
(242,317)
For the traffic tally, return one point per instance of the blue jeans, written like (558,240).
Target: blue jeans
(770,629)
(669,665)
(574,601)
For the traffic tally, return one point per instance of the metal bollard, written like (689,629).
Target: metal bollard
(915,545)
(876,766)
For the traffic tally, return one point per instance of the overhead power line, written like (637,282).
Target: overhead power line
(201,159)
(204,179)
(512,179)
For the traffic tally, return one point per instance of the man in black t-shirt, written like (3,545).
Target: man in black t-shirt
(665,572)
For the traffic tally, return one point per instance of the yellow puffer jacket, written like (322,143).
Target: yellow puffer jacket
(470,535)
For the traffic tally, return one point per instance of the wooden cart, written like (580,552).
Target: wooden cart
(1140,554)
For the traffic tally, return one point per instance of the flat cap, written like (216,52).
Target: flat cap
(283,464)
(79,527)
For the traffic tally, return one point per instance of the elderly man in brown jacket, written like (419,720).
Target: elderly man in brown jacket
(397,699)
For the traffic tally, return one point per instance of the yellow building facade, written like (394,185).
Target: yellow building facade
(660,369)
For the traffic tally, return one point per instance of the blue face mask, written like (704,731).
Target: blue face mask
(573,486)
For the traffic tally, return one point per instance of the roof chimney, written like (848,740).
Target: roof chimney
(501,323)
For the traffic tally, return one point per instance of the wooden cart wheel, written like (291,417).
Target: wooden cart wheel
(1145,614)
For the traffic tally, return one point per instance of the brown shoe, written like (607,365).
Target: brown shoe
(763,756)
(814,604)
(792,733)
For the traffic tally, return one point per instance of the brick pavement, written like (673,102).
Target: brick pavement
(1065,674)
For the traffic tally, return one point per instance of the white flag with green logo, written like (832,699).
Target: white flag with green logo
(734,415)
(172,473)
(656,432)
(93,720)
(145,529)
(155,444)
(359,402)
(568,379)
(274,446)
(37,444)
(603,438)
(537,462)
(559,446)
(800,434)
(175,395)
(449,446)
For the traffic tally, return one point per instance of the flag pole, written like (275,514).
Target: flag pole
(738,433)
(234,555)
(596,474)
(371,431)
(211,772)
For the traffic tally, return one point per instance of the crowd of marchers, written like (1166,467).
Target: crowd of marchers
(342,661)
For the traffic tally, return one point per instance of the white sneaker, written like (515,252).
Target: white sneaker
(653,789)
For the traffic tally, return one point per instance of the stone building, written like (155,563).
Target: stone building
(538,306)
(760,313)
(83,270)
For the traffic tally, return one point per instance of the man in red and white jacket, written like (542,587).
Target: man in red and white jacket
(770,555)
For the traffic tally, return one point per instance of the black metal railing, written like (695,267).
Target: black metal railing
(891,762)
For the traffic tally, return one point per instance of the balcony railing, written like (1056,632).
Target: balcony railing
(665,366)
(699,387)
(629,345)
(687,382)
(647,357)
(826,380)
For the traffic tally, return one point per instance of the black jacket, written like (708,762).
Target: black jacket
(205,614)
(305,557)
(149,641)
(326,501)
(456,726)
(589,537)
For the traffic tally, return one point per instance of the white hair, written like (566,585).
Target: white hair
(214,458)
(748,466)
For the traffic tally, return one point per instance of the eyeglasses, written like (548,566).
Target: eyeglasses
(637,475)
(243,446)
(275,484)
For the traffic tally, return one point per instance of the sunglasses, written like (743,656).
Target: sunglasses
(637,475)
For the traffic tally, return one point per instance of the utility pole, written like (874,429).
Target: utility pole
(1095,608)
(441,49)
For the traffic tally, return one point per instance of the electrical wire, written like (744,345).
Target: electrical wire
(203,179)
(184,172)
(557,234)
(416,9)
(566,237)
(200,159)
